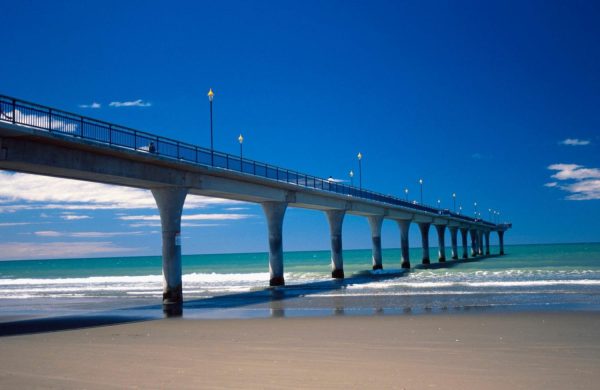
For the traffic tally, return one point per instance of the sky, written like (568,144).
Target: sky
(495,101)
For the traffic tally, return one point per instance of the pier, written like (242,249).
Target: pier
(46,141)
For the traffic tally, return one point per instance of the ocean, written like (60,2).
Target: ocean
(529,277)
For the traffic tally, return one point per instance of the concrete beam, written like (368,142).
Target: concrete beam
(424,228)
(274,212)
(404,226)
(170,202)
(336,219)
(319,202)
(375,224)
(422,219)
(454,241)
(441,231)
(465,242)
(399,215)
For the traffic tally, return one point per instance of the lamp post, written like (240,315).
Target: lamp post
(475,206)
(406,193)
(359,156)
(439,202)
(459,209)
(421,183)
(241,139)
(211,95)
(351,178)
(454,199)
(490,213)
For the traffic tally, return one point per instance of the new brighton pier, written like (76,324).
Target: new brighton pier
(47,141)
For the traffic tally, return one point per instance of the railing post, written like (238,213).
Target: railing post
(254,167)
(50,119)
(177,145)
(196,154)
(110,135)
(135,139)
(14,116)
(81,126)
(227,160)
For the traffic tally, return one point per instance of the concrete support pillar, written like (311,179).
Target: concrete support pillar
(464,232)
(275,211)
(404,226)
(336,219)
(454,241)
(170,202)
(480,242)
(487,243)
(473,242)
(441,231)
(424,228)
(501,241)
(375,222)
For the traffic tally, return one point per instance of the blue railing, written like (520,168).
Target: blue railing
(55,121)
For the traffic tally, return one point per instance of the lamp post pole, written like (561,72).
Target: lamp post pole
(351,178)
(475,206)
(459,209)
(454,199)
(241,139)
(406,193)
(211,95)
(359,170)
(439,202)
(421,183)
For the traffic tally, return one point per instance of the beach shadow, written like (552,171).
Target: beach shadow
(274,297)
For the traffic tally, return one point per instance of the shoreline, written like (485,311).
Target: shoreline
(484,350)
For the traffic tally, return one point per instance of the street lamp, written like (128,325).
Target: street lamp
(459,209)
(406,193)
(421,183)
(359,170)
(211,95)
(241,139)
(490,213)
(454,199)
(439,202)
(475,205)
(351,178)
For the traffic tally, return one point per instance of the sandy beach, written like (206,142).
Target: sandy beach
(482,351)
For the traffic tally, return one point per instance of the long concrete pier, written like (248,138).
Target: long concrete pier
(45,141)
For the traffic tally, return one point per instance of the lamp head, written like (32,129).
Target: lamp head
(241,138)
(359,156)
(210,94)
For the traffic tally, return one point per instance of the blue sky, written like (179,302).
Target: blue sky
(486,99)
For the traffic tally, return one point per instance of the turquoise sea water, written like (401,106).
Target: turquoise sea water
(529,277)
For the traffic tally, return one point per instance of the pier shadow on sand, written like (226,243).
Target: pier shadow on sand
(273,296)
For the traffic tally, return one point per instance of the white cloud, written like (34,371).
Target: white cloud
(134,103)
(43,192)
(93,105)
(551,184)
(574,172)
(52,233)
(582,183)
(574,142)
(193,217)
(36,250)
(8,224)
(70,217)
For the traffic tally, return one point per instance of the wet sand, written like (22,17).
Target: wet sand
(482,351)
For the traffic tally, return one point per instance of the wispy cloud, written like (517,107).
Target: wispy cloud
(52,233)
(74,217)
(193,217)
(582,183)
(10,224)
(574,142)
(93,105)
(20,191)
(133,103)
(37,250)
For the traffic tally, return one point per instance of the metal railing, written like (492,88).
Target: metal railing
(67,124)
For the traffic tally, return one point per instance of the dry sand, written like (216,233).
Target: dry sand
(487,351)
